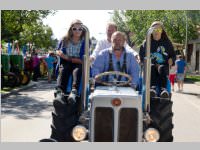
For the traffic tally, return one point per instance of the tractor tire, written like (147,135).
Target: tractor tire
(161,115)
(48,140)
(25,79)
(19,79)
(12,80)
(64,118)
(63,109)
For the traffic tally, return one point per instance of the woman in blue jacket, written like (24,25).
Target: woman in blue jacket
(71,51)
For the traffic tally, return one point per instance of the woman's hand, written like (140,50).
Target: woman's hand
(59,52)
(63,56)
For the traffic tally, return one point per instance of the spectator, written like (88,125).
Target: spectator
(172,76)
(36,67)
(180,72)
(50,62)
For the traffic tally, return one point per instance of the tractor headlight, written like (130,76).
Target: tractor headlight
(151,135)
(79,133)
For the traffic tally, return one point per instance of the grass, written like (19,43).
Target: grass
(7,89)
(193,78)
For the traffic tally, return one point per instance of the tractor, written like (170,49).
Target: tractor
(112,112)
(13,73)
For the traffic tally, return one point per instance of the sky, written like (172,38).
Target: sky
(95,20)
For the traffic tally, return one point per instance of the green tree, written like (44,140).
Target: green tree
(138,22)
(26,26)
(120,19)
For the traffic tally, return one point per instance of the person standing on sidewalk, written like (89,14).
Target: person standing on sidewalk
(180,72)
(36,67)
(172,75)
(50,61)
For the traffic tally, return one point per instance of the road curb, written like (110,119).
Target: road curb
(31,84)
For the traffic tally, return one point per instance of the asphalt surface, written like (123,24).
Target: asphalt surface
(26,113)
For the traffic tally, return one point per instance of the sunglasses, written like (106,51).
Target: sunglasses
(158,30)
(77,29)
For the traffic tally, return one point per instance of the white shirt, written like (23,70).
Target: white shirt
(172,70)
(104,44)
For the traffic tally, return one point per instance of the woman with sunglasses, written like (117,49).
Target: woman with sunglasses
(162,56)
(71,51)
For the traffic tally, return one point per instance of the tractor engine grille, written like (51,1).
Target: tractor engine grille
(104,125)
(128,125)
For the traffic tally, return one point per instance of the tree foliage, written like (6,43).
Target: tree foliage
(26,26)
(138,22)
(120,20)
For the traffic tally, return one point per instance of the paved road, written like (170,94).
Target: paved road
(186,110)
(26,117)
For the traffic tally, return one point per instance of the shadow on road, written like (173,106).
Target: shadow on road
(24,106)
(43,86)
(194,94)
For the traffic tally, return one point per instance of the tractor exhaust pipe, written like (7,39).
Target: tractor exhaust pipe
(147,72)
(85,70)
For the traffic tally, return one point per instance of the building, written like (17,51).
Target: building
(179,48)
(193,54)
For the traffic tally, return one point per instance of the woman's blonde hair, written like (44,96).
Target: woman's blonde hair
(69,34)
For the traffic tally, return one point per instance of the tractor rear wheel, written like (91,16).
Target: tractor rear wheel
(11,80)
(161,115)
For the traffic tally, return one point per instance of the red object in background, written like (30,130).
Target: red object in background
(172,78)
(28,64)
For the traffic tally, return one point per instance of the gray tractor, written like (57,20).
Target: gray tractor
(112,113)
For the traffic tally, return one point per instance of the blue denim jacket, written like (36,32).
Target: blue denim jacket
(101,64)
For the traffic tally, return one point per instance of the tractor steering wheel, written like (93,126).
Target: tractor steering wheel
(115,82)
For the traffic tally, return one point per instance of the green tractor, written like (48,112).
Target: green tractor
(13,74)
(17,67)
(7,78)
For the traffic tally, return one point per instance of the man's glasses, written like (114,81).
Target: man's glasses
(77,29)
(159,30)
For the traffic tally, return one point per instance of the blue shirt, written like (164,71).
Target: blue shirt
(50,60)
(101,64)
(180,66)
